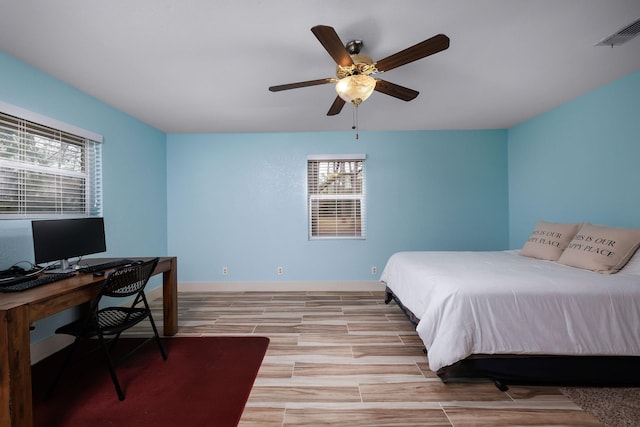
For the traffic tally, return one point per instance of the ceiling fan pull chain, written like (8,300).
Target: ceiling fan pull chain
(355,120)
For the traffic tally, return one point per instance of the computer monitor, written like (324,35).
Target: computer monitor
(62,239)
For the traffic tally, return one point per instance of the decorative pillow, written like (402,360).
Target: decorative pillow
(549,239)
(602,249)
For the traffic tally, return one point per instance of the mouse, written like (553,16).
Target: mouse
(98,273)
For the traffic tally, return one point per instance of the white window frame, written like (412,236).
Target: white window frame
(48,169)
(338,226)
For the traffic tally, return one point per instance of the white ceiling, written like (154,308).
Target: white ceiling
(205,65)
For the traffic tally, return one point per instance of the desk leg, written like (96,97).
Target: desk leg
(170,298)
(15,363)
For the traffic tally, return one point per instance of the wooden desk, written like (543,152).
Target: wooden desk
(18,310)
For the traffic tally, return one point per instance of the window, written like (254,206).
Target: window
(336,196)
(47,171)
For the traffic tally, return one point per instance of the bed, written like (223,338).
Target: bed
(512,318)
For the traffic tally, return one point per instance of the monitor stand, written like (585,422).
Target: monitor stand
(63,267)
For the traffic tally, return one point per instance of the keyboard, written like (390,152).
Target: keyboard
(105,265)
(27,282)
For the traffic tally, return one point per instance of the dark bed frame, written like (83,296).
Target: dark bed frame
(593,371)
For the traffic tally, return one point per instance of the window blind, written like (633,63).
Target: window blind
(45,171)
(336,196)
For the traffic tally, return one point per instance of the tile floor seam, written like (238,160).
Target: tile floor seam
(447,415)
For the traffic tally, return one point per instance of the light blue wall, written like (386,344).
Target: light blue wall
(134,167)
(578,162)
(239,201)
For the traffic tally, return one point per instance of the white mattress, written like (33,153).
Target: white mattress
(503,303)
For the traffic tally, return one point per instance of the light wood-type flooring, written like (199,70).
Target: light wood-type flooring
(349,359)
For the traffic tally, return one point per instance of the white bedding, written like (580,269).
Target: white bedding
(503,303)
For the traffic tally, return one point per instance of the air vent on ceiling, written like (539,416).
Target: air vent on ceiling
(621,36)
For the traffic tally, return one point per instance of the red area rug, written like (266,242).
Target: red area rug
(205,382)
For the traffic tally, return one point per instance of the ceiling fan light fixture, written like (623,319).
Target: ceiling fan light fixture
(356,88)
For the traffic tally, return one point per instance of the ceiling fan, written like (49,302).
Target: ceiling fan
(354,81)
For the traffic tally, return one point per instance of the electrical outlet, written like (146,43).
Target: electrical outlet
(280,271)
(225,271)
(374,270)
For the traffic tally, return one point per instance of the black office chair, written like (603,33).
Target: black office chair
(110,322)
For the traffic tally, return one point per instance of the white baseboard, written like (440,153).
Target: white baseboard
(280,286)
(48,346)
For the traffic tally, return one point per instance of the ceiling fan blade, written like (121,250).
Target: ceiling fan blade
(301,84)
(395,90)
(418,51)
(336,107)
(332,43)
